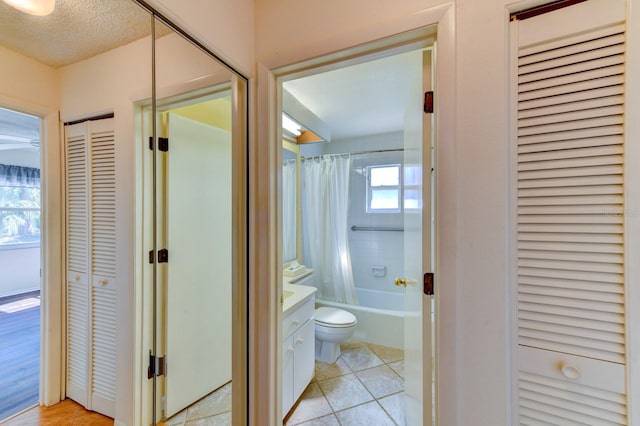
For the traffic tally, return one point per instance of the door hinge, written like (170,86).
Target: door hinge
(163,144)
(428,102)
(157,366)
(152,257)
(163,256)
(428,283)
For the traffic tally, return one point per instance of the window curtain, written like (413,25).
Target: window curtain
(327,204)
(19,176)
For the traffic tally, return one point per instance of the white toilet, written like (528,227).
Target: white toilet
(333,326)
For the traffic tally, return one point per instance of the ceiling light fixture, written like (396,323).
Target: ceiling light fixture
(291,126)
(33,7)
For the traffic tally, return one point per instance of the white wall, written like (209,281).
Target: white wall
(20,270)
(26,81)
(474,388)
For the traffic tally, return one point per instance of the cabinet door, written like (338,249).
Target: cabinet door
(304,357)
(287,375)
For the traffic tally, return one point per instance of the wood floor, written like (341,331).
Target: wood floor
(19,353)
(66,413)
(20,371)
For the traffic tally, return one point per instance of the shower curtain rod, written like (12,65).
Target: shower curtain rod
(373,151)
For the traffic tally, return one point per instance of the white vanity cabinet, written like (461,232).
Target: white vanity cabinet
(298,349)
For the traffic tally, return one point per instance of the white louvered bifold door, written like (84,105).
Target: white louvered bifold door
(77,249)
(103,266)
(91,259)
(569,188)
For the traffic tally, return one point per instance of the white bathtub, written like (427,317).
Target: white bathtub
(380,317)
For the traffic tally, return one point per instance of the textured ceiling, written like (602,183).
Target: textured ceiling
(76,30)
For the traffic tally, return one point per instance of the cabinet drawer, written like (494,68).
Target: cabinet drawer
(295,319)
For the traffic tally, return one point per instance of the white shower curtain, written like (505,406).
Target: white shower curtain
(327,202)
(289,185)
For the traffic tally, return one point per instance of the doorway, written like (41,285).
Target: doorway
(20,261)
(369,112)
(193,193)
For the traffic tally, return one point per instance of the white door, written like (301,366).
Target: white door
(91,264)
(417,248)
(198,285)
(571,190)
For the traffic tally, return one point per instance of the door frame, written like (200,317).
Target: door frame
(265,161)
(51,250)
(168,98)
(166,106)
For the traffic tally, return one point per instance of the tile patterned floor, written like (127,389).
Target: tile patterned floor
(364,387)
(212,410)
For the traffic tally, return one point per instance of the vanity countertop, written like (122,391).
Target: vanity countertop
(294,295)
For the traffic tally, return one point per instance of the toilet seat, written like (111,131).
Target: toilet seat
(335,318)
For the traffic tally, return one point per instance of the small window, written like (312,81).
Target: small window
(393,188)
(384,189)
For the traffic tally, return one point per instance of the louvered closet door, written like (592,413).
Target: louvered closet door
(91,259)
(77,249)
(103,266)
(570,204)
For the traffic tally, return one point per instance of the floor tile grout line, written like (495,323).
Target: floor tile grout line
(323,415)
(335,413)
(365,388)
(387,413)
(378,366)
(376,399)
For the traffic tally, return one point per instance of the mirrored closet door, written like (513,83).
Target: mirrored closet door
(144,189)
(197,166)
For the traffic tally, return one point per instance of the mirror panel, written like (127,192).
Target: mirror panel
(195,221)
(91,59)
(84,62)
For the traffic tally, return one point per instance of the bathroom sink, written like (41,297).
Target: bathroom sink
(293,295)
